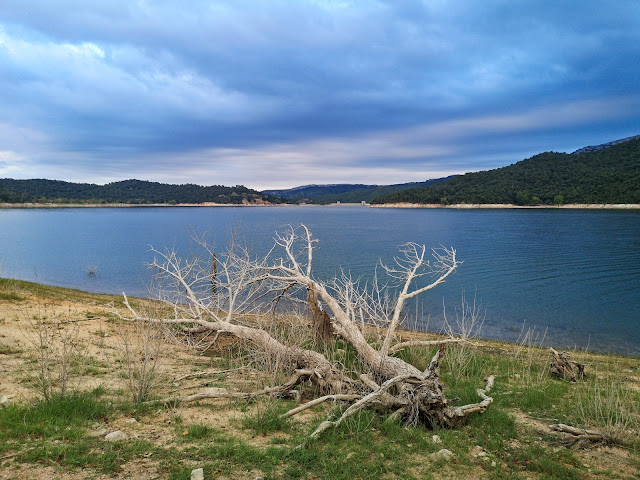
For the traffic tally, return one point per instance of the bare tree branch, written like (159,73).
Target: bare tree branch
(245,288)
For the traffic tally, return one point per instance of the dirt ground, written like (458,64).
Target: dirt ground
(100,342)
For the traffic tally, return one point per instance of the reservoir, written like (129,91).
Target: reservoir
(570,276)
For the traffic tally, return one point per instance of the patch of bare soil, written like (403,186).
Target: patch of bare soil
(101,348)
(595,457)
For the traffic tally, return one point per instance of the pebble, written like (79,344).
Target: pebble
(6,398)
(99,432)
(116,436)
(478,452)
(436,439)
(442,454)
(197,474)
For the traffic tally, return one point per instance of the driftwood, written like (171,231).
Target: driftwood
(242,288)
(577,435)
(564,368)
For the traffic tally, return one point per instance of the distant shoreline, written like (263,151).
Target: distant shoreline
(464,206)
(134,205)
(469,206)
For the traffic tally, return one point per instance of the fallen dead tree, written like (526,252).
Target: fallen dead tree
(245,287)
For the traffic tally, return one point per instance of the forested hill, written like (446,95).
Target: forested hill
(127,191)
(311,192)
(606,175)
(346,192)
(368,194)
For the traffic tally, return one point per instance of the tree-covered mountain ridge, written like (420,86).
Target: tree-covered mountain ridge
(136,192)
(603,174)
(346,192)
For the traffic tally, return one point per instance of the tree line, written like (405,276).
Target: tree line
(610,175)
(127,191)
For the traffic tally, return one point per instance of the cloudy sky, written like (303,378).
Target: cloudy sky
(274,94)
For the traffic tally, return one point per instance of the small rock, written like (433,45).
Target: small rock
(478,452)
(436,439)
(197,474)
(98,432)
(6,398)
(350,455)
(116,436)
(131,420)
(259,477)
(443,454)
(493,463)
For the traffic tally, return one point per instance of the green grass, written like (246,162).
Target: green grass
(196,431)
(10,297)
(345,453)
(19,288)
(9,349)
(55,432)
(265,418)
(102,456)
(58,418)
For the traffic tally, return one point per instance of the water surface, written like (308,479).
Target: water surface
(573,273)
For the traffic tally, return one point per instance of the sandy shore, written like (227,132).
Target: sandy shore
(227,437)
(134,205)
(597,206)
(600,206)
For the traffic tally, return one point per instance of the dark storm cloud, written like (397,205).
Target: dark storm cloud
(271,93)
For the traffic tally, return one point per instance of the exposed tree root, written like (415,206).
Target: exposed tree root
(567,369)
(578,435)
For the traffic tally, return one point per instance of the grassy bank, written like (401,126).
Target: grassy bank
(64,435)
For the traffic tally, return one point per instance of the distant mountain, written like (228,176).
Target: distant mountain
(595,148)
(310,192)
(346,192)
(608,173)
(127,191)
(369,194)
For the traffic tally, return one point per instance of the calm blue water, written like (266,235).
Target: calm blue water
(574,273)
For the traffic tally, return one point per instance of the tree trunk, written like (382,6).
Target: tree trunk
(321,323)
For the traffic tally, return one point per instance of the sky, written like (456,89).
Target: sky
(276,94)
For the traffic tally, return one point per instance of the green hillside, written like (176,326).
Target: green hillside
(346,192)
(127,191)
(311,192)
(605,175)
(369,194)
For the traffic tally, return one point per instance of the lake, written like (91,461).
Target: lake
(572,273)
